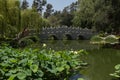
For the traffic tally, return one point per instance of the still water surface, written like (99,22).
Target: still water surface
(101,61)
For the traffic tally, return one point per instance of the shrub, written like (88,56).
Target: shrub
(25,41)
(96,40)
(110,39)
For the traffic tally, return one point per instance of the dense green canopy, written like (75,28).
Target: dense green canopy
(102,15)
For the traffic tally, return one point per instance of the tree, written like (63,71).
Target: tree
(114,16)
(67,14)
(73,7)
(2,26)
(13,17)
(38,5)
(10,10)
(24,5)
(3,18)
(60,18)
(103,15)
(30,19)
(49,10)
(66,19)
(54,21)
(84,15)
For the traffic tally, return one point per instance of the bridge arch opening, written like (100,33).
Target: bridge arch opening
(80,37)
(67,37)
(52,37)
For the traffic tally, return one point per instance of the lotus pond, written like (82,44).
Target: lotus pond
(36,64)
(101,61)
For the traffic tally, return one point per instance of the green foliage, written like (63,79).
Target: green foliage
(29,64)
(24,5)
(14,20)
(101,15)
(49,10)
(63,17)
(111,39)
(80,79)
(25,41)
(45,23)
(116,74)
(53,20)
(9,9)
(83,17)
(96,39)
(2,26)
(30,19)
(38,5)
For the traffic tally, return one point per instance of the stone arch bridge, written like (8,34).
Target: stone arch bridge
(67,33)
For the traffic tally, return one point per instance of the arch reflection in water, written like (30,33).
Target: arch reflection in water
(67,37)
(80,37)
(52,37)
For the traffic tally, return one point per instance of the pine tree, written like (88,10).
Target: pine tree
(49,10)
(38,5)
(24,5)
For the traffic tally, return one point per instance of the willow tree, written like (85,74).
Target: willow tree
(13,16)
(30,19)
(10,11)
(3,18)
(2,26)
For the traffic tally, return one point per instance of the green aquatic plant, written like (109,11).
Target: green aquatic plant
(116,74)
(80,79)
(35,64)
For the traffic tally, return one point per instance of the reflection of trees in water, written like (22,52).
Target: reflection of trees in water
(52,37)
(52,42)
(67,37)
(69,44)
(66,42)
(83,41)
(101,61)
(80,37)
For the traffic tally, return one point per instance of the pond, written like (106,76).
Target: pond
(101,61)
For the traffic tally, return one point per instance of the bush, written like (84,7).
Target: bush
(25,41)
(96,40)
(34,64)
(110,39)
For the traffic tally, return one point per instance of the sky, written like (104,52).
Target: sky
(57,4)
